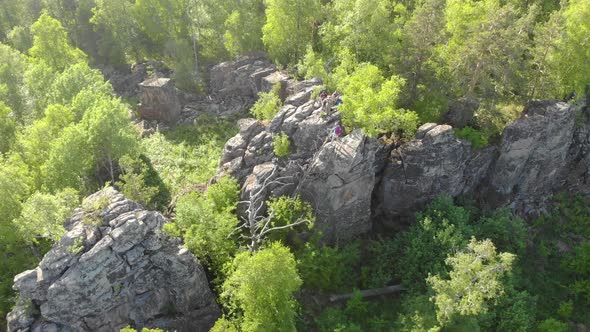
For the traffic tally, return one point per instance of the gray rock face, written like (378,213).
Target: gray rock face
(533,154)
(352,181)
(340,183)
(243,77)
(336,175)
(461,112)
(435,162)
(159,100)
(306,126)
(114,267)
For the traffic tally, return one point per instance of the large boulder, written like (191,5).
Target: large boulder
(114,267)
(159,100)
(243,77)
(461,112)
(339,183)
(434,163)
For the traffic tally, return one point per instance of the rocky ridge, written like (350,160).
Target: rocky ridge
(356,183)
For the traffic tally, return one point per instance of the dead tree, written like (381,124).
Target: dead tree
(256,224)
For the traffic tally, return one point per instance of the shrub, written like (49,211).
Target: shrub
(287,210)
(133,184)
(494,118)
(281,145)
(330,269)
(268,104)
(260,289)
(552,325)
(476,137)
(206,221)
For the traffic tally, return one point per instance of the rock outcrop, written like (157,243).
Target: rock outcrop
(533,155)
(354,182)
(114,267)
(335,174)
(434,163)
(340,181)
(159,100)
(243,77)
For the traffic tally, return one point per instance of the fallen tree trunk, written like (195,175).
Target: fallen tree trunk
(369,293)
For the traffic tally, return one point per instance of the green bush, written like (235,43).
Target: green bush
(206,221)
(268,104)
(330,269)
(494,118)
(132,182)
(281,145)
(287,210)
(476,137)
(552,325)
(441,228)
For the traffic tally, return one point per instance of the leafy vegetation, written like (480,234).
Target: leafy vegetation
(281,145)
(396,64)
(268,104)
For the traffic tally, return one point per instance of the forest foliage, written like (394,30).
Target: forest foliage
(397,64)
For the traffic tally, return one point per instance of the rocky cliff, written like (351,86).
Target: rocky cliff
(113,268)
(356,183)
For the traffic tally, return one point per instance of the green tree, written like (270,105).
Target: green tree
(579,265)
(289,28)
(20,38)
(243,32)
(370,29)
(83,152)
(485,49)
(417,61)
(370,103)
(51,45)
(545,81)
(180,31)
(261,289)
(119,34)
(15,256)
(573,49)
(7,129)
(476,278)
(441,228)
(43,215)
(68,84)
(38,79)
(35,142)
(12,65)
